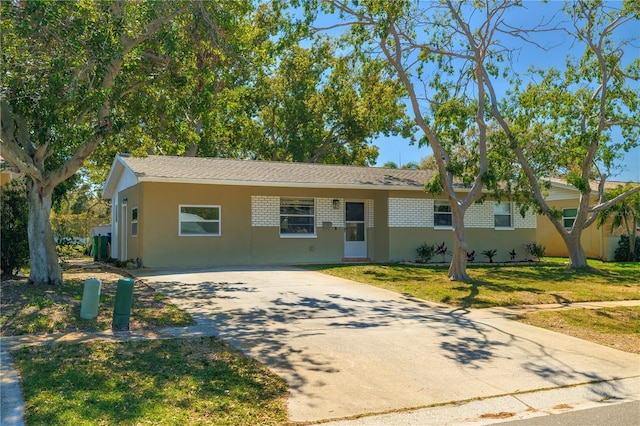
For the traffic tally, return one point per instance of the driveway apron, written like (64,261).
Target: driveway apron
(347,348)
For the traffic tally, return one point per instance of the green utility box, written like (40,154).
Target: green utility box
(100,248)
(122,304)
(90,298)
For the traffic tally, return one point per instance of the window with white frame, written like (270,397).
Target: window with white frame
(442,214)
(502,215)
(297,217)
(196,220)
(134,221)
(568,217)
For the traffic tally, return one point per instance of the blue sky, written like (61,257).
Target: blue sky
(399,151)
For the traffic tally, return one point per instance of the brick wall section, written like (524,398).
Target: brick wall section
(403,213)
(326,213)
(418,213)
(410,213)
(368,211)
(479,216)
(265,211)
(528,221)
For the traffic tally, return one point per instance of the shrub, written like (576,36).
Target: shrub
(490,254)
(14,253)
(425,253)
(622,253)
(534,250)
(471,256)
(71,250)
(441,249)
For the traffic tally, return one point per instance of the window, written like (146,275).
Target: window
(199,221)
(297,217)
(568,217)
(134,221)
(502,215)
(442,214)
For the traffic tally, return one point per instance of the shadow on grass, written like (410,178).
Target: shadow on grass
(177,381)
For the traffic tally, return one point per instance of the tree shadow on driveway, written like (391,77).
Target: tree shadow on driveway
(362,351)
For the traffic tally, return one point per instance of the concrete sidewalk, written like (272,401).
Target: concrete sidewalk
(349,350)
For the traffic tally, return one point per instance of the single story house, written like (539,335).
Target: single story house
(195,212)
(598,243)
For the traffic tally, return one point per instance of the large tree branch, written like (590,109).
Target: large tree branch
(15,143)
(621,197)
(103,123)
(441,155)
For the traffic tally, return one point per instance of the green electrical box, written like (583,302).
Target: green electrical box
(90,298)
(122,304)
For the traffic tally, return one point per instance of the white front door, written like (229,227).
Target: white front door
(355,231)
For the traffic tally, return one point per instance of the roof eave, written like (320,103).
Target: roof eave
(110,184)
(377,187)
(277,184)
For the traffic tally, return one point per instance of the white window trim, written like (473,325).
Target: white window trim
(511,227)
(201,206)
(301,235)
(442,227)
(134,221)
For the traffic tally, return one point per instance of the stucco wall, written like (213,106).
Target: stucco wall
(404,241)
(246,237)
(250,226)
(592,237)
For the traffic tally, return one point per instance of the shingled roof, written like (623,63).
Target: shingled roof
(270,173)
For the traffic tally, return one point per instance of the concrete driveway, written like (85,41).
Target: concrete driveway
(347,348)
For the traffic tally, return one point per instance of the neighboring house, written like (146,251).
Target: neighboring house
(6,173)
(598,243)
(190,212)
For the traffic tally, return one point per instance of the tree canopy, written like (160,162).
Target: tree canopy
(587,114)
(69,71)
(82,81)
(492,128)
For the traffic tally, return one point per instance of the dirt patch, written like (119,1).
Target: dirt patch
(500,415)
(29,308)
(563,407)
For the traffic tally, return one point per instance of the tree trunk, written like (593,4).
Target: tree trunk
(577,258)
(632,246)
(45,268)
(458,266)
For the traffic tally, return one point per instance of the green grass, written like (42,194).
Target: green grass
(501,284)
(617,327)
(160,382)
(28,308)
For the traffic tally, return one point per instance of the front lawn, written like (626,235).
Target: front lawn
(617,327)
(500,284)
(28,308)
(160,382)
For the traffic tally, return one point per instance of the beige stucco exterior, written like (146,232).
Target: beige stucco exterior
(591,239)
(158,243)
(597,242)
